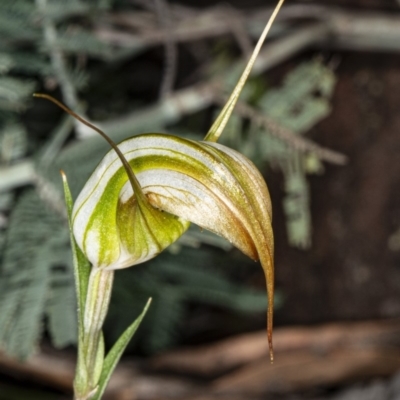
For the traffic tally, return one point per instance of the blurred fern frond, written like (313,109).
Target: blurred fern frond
(84,42)
(59,10)
(6,63)
(16,22)
(36,270)
(13,141)
(14,92)
(30,63)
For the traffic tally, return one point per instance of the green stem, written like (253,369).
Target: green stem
(91,344)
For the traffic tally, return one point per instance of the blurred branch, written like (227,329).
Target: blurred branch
(364,31)
(16,175)
(221,357)
(307,358)
(238,28)
(200,96)
(62,74)
(58,138)
(347,29)
(57,58)
(171,51)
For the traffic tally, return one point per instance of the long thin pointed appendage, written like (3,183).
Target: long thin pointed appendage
(218,126)
(132,178)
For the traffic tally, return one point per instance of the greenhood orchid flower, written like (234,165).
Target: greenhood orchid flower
(205,183)
(147,190)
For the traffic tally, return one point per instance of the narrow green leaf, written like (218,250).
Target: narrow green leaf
(115,353)
(81,264)
(218,126)
(81,273)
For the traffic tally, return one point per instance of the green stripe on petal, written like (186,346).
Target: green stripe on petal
(112,229)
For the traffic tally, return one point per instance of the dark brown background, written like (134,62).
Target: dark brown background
(350,273)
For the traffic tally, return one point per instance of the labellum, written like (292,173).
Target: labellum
(145,192)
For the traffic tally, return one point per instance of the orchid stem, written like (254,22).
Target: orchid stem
(91,342)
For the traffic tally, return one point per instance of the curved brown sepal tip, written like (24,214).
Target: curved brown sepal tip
(271,348)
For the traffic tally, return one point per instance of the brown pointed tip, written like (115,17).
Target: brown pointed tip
(271,348)
(269,331)
(64,177)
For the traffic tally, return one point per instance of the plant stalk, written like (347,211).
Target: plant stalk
(91,345)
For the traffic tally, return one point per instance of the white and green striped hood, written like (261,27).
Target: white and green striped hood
(205,183)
